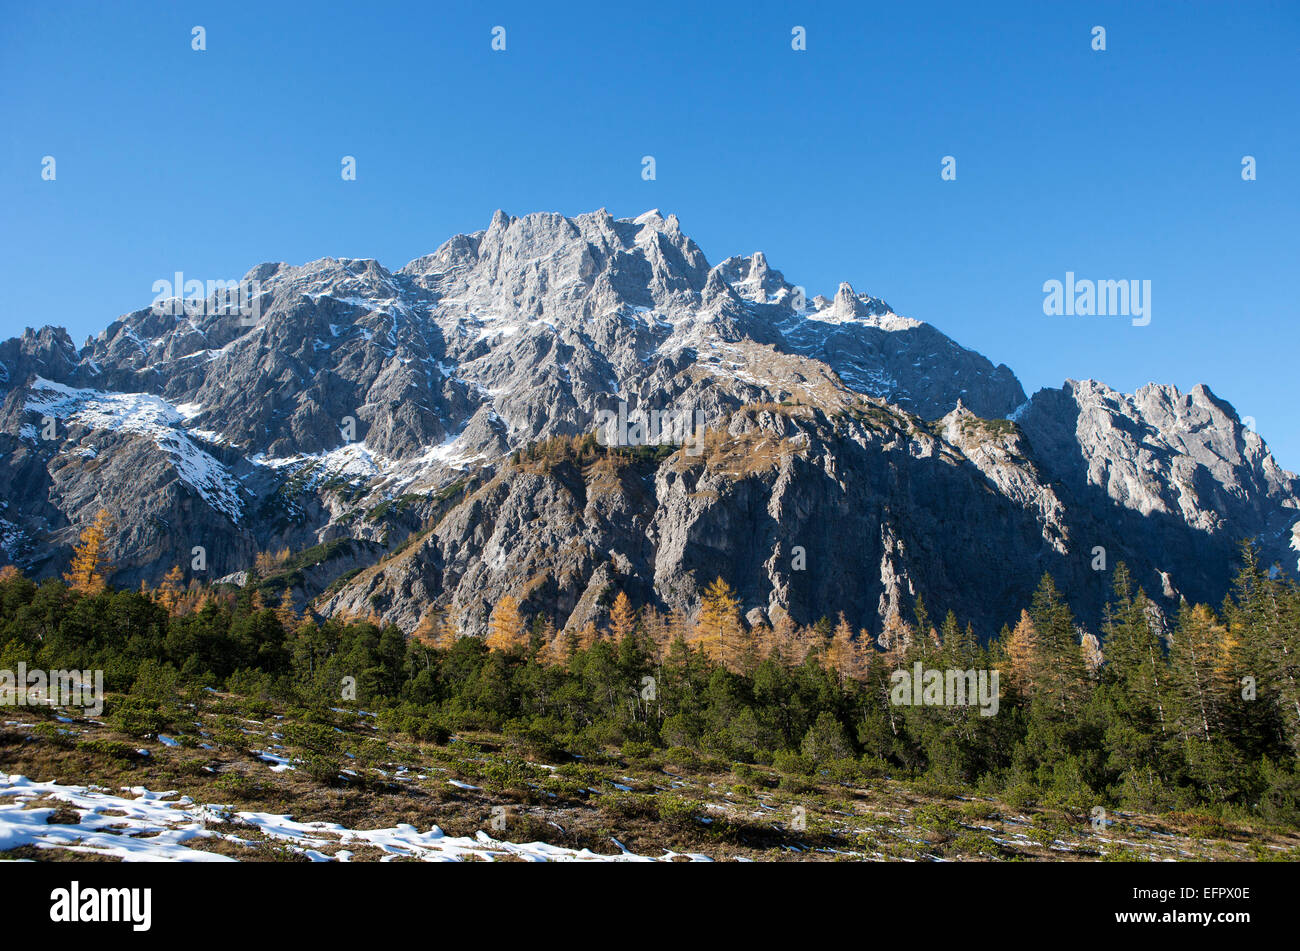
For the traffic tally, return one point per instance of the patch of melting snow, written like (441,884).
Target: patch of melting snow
(155,826)
(280,763)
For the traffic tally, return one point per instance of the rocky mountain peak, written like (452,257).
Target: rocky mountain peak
(363,405)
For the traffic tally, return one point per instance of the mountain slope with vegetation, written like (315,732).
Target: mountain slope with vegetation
(680,734)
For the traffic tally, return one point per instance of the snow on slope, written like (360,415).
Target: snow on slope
(156,826)
(148,415)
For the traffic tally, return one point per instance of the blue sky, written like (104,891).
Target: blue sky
(1117,164)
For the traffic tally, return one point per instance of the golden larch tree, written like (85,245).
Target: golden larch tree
(506,628)
(448,630)
(1023,654)
(622,618)
(588,636)
(895,638)
(845,652)
(551,653)
(170,591)
(679,626)
(718,628)
(785,638)
(86,574)
(428,630)
(656,629)
(286,612)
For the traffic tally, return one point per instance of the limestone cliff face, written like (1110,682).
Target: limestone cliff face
(801,509)
(382,409)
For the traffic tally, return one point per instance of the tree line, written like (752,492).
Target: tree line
(1203,710)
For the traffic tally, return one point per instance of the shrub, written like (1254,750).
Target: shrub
(976,810)
(155,681)
(1020,796)
(975,843)
(321,767)
(136,716)
(638,749)
(1121,853)
(791,763)
(936,818)
(113,748)
(678,812)
(1198,824)
(631,805)
(846,771)
(313,738)
(53,735)
(237,784)
(681,757)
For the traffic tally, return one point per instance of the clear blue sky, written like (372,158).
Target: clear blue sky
(1117,164)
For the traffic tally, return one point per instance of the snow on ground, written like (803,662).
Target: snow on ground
(280,763)
(140,829)
(147,826)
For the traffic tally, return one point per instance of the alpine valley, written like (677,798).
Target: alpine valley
(401,433)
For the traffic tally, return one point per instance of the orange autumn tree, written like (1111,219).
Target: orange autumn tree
(679,627)
(557,647)
(587,636)
(718,629)
(86,574)
(1024,655)
(506,628)
(170,591)
(845,654)
(266,562)
(448,629)
(430,627)
(437,628)
(622,619)
(286,612)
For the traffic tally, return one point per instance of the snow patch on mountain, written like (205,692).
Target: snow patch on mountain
(11,538)
(147,415)
(353,460)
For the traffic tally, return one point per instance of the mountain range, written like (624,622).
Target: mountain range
(409,436)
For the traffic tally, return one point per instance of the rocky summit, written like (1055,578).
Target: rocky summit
(415,438)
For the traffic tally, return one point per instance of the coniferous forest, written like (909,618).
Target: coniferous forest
(1204,714)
